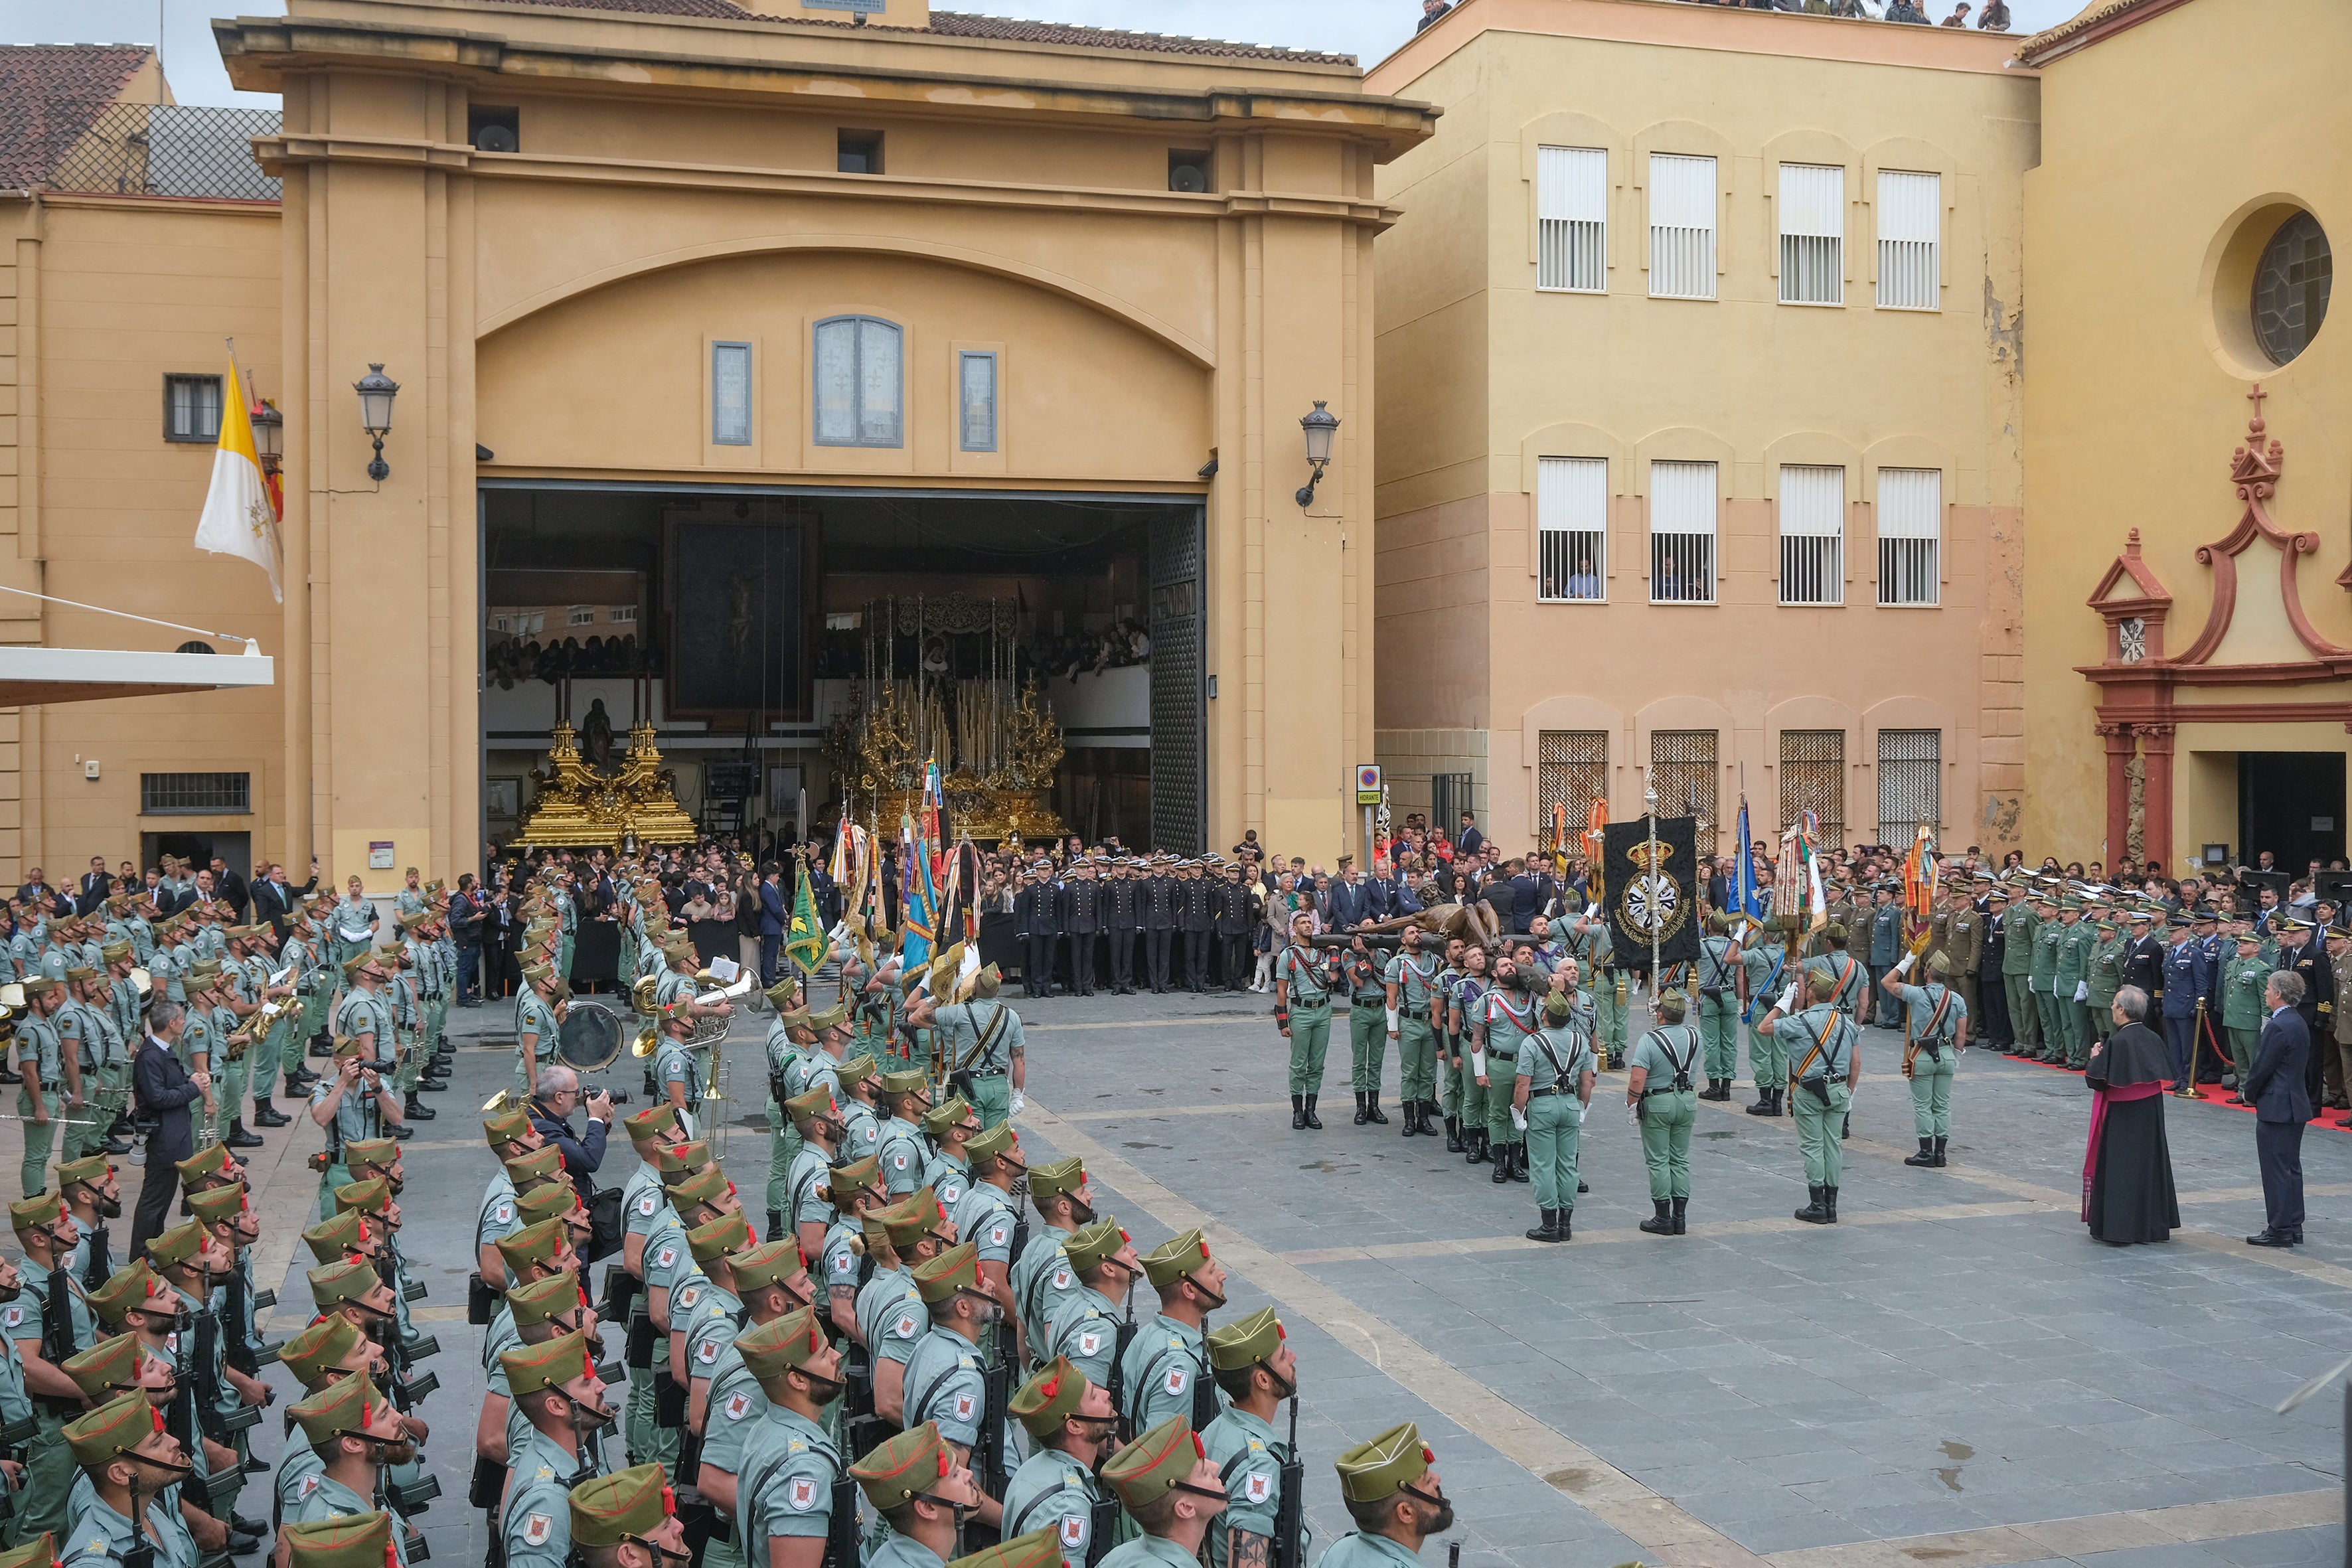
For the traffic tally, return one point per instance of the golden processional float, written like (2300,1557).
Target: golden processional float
(961,698)
(575,807)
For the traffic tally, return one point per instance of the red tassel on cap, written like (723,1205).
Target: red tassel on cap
(1124,1236)
(943,1460)
(1198,1451)
(1427,1457)
(669,1503)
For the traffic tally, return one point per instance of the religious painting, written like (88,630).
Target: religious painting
(737,618)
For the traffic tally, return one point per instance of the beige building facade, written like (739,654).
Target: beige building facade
(914,307)
(2189,675)
(1700,429)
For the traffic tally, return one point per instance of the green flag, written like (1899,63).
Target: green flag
(806,945)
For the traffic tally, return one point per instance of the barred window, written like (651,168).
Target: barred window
(1910,783)
(1681,228)
(1571,218)
(1910,530)
(1813,778)
(1910,222)
(1682,533)
(1682,770)
(1813,535)
(1812,233)
(192,408)
(1571,528)
(1572,770)
(194,795)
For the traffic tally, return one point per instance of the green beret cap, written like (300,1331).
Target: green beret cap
(633,1502)
(1373,1470)
(1247,1343)
(1175,1258)
(1148,1468)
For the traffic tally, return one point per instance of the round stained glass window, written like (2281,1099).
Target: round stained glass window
(2291,286)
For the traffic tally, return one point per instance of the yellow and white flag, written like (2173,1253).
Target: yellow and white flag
(238,519)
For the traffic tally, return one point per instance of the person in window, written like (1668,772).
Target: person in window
(1584,583)
(1430,10)
(1670,582)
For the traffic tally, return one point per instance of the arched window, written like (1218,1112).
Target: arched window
(859,383)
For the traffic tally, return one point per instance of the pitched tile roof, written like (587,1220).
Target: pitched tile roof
(960,25)
(49,93)
(2093,17)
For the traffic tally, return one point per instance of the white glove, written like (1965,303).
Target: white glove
(1519,1119)
(1905,967)
(1632,1113)
(1392,1020)
(1787,998)
(1477,1063)
(1020,1102)
(2082,991)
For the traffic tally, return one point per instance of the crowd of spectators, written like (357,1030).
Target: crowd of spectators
(512,660)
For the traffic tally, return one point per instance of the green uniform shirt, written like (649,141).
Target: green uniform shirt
(2070,965)
(2243,982)
(2106,976)
(902,1150)
(1052,1489)
(534,1017)
(98,1535)
(1938,1006)
(1667,1054)
(1083,1325)
(2043,975)
(891,1315)
(1852,976)
(981,1036)
(1163,1364)
(536,1524)
(1823,1024)
(1559,1055)
(983,1216)
(1414,976)
(1249,1459)
(785,1483)
(945,1385)
(2018,926)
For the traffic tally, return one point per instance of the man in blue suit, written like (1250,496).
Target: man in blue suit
(773,916)
(2280,1108)
(1351,899)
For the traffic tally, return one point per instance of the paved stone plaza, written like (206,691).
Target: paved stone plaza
(1954,1375)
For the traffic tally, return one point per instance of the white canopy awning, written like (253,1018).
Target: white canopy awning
(35,675)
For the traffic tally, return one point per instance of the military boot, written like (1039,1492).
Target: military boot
(1813,1213)
(1680,1204)
(1926,1156)
(1662,1219)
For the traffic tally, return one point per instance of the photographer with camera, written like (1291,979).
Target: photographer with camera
(357,1104)
(556,1096)
(161,1091)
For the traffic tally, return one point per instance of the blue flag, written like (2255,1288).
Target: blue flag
(1744,889)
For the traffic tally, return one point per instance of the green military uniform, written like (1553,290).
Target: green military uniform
(1719,1008)
(36,1044)
(2016,971)
(1821,1042)
(1307,994)
(1936,1014)
(783,1138)
(1552,1063)
(1766,962)
(2043,979)
(1414,976)
(1667,1107)
(2106,978)
(2244,981)
(1590,943)
(1249,1455)
(2071,972)
(1507,1021)
(1368,1029)
(982,1038)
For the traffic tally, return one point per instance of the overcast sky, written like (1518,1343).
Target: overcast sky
(1368,29)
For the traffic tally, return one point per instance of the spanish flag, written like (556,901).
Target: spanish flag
(238,517)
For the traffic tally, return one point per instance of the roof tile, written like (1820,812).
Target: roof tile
(49,94)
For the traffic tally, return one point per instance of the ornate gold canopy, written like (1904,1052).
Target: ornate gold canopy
(873,750)
(579,808)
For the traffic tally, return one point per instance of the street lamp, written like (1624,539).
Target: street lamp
(1320,427)
(376,392)
(269,437)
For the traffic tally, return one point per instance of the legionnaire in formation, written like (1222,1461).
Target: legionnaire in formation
(1304,979)
(1937,1033)
(1663,1095)
(1825,1057)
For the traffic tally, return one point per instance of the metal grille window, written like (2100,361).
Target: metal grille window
(1571,218)
(1812,233)
(1681,228)
(1813,778)
(1572,770)
(1813,535)
(976,400)
(1571,528)
(858,386)
(192,408)
(1682,770)
(1180,752)
(1910,783)
(1910,222)
(1910,530)
(195,794)
(731,394)
(1449,797)
(156,149)
(1682,533)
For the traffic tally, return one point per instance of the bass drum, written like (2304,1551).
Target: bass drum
(591,1038)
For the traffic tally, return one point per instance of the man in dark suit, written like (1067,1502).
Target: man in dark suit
(1351,899)
(773,918)
(2282,1106)
(163,1089)
(1471,840)
(94,886)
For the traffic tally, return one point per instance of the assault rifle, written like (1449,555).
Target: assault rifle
(1116,1386)
(1289,1514)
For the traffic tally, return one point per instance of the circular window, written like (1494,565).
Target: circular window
(2291,286)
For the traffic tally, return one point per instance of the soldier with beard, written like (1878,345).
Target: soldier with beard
(1506,1020)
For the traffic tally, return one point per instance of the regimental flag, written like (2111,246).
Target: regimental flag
(915,947)
(1743,893)
(1596,822)
(1656,891)
(239,517)
(1920,875)
(806,944)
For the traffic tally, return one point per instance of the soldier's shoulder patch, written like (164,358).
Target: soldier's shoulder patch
(844,1261)
(739,1405)
(800,1495)
(949,1192)
(688,1296)
(1259,1487)
(1089,1342)
(1177,1378)
(309,1484)
(707,1351)
(537,1528)
(504,1213)
(998,1234)
(14,1318)
(1061,1280)
(648,1204)
(1074,1530)
(964,1407)
(905,1327)
(668,1256)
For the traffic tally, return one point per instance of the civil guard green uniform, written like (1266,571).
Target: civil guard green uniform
(2048,933)
(1250,1457)
(1821,1041)
(1936,1016)
(1051,1490)
(2070,981)
(2106,978)
(1667,1104)
(1302,1011)
(1553,1064)
(1719,963)
(107,1437)
(2244,980)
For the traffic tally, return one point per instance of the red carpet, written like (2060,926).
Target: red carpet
(2210,1093)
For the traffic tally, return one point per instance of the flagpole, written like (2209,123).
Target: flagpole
(1650,808)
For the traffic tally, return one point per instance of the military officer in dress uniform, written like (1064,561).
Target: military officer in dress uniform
(1158,904)
(1037,921)
(1071,1426)
(1233,908)
(2020,927)
(1826,1063)
(1081,921)
(2244,980)
(1195,917)
(2308,960)
(1172,1491)
(1394,1494)
(1963,946)
(2184,984)
(1122,918)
